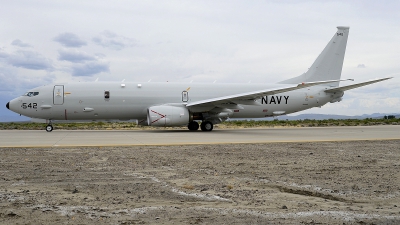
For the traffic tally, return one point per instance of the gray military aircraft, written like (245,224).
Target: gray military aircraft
(180,104)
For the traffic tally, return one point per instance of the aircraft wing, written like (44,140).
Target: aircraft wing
(249,97)
(349,87)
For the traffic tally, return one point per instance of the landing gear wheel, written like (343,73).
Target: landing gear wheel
(207,126)
(192,126)
(49,128)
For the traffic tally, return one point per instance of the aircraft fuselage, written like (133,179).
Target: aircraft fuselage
(103,101)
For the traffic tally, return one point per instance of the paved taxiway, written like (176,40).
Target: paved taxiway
(23,138)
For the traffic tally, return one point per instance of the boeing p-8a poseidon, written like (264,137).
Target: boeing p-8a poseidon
(180,104)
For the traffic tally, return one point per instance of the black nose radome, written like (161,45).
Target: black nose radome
(8,105)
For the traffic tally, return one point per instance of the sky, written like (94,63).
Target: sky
(44,42)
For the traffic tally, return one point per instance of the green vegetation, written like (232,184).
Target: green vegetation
(311,123)
(227,124)
(70,126)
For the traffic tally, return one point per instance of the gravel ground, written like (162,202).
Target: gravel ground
(355,182)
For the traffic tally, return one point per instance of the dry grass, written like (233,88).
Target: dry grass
(225,125)
(188,186)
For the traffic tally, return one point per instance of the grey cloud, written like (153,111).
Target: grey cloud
(29,60)
(74,56)
(70,40)
(89,68)
(111,40)
(361,66)
(19,43)
(7,79)
(3,55)
(100,55)
(83,64)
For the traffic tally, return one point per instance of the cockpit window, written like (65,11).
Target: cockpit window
(31,93)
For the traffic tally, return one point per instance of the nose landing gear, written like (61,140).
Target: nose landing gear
(49,127)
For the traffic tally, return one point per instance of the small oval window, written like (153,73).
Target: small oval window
(107,94)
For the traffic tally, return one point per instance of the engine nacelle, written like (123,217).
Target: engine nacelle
(337,97)
(167,116)
(142,122)
(336,100)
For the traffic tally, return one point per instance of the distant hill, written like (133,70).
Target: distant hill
(16,118)
(335,117)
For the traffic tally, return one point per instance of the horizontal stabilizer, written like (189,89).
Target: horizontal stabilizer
(349,87)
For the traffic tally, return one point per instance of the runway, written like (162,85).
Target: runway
(62,138)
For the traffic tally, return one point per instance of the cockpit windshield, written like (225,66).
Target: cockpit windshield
(31,93)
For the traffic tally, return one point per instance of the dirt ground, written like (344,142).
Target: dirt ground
(354,182)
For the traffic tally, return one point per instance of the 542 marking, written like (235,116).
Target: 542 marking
(29,105)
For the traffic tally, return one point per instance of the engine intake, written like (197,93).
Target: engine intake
(167,116)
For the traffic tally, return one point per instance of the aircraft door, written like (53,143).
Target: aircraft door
(306,99)
(58,95)
(185,96)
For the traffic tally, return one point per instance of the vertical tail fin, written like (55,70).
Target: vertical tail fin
(328,65)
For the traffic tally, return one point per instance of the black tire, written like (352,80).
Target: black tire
(207,126)
(49,128)
(193,126)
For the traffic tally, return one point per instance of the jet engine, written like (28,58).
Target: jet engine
(337,97)
(167,116)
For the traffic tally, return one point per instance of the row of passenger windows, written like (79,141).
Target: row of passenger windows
(31,94)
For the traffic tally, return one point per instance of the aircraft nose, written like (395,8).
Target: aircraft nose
(8,105)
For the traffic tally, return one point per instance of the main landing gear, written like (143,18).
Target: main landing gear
(205,126)
(49,127)
(193,126)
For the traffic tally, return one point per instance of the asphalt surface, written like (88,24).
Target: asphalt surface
(335,183)
(30,138)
